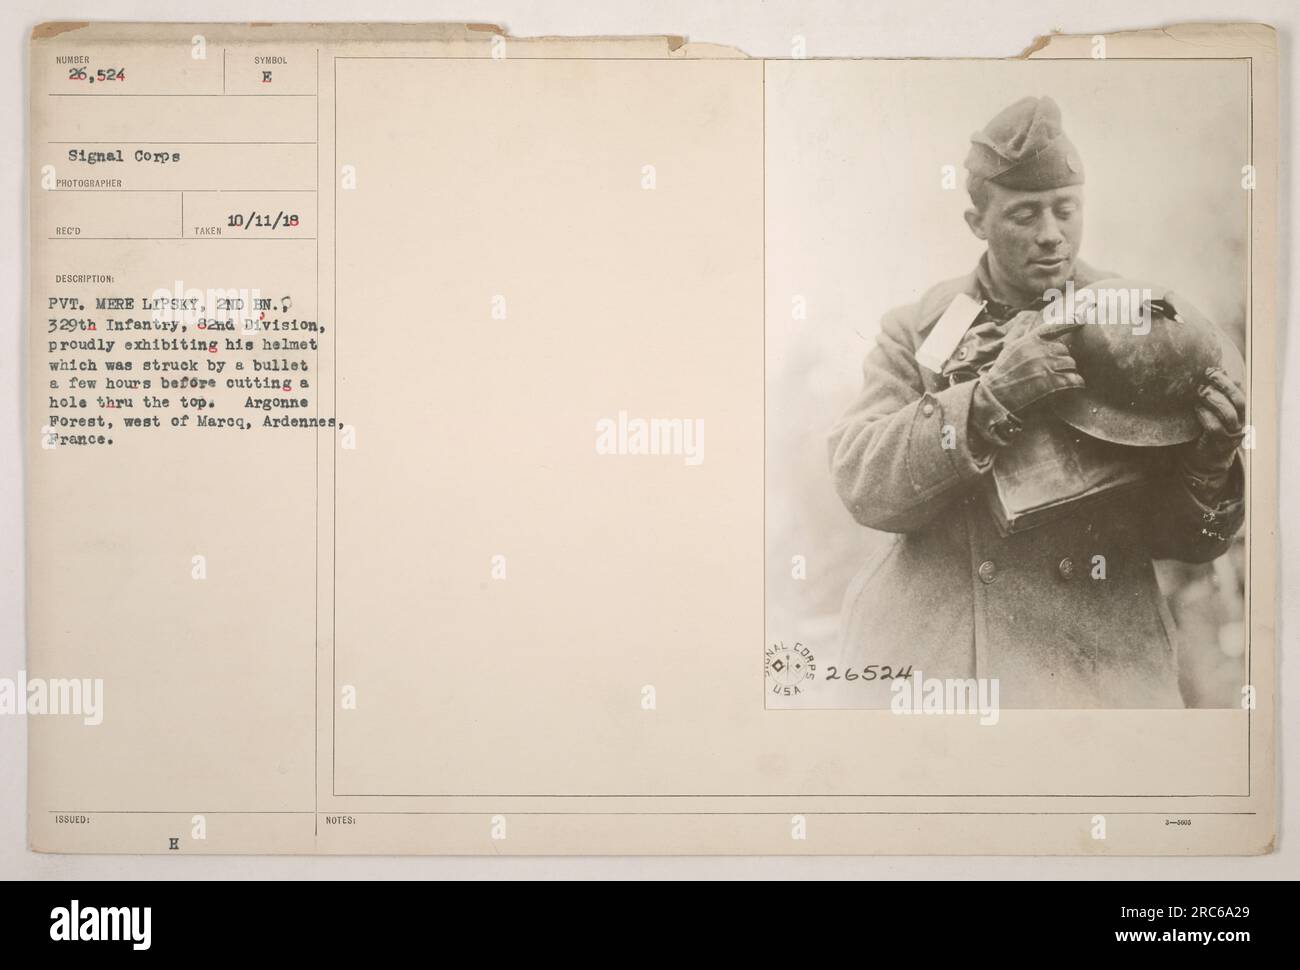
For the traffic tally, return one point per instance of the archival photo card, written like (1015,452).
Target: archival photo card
(445,442)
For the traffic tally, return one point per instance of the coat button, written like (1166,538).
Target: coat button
(988,572)
(1066,568)
(927,409)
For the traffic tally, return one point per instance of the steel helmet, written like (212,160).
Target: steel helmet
(1140,384)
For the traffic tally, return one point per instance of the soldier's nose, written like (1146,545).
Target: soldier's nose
(1049,234)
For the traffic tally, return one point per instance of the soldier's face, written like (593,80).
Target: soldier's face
(1033,237)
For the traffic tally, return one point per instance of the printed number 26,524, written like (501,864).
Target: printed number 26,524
(870,672)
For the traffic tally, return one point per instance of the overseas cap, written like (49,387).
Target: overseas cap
(1024,148)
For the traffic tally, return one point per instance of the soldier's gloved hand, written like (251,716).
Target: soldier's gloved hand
(1221,410)
(1032,366)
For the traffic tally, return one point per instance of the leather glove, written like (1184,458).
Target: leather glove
(1221,411)
(1033,365)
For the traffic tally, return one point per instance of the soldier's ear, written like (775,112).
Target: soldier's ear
(975,219)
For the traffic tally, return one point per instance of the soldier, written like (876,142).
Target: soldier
(1068,613)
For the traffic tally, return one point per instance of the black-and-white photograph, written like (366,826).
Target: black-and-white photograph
(1008,416)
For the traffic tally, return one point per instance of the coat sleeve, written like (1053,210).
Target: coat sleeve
(1183,527)
(900,452)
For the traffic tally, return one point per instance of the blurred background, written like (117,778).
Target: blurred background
(865,195)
